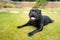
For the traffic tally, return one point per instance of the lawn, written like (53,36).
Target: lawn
(9,22)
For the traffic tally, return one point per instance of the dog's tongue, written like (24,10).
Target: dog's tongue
(33,18)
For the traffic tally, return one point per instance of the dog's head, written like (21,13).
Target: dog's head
(35,14)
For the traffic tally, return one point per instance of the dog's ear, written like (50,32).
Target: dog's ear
(39,11)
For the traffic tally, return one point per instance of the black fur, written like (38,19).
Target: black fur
(38,22)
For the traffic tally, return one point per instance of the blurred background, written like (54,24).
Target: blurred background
(14,13)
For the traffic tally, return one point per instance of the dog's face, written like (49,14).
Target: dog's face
(35,14)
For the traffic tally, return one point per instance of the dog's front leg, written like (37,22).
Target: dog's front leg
(36,30)
(23,25)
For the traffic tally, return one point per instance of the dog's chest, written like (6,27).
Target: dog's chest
(34,23)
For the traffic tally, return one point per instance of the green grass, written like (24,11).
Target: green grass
(10,21)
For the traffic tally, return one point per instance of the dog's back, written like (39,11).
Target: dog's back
(47,20)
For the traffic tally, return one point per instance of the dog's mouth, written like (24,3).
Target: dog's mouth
(32,17)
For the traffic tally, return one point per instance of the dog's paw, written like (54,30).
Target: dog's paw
(18,27)
(30,34)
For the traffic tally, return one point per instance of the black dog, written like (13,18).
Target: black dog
(36,20)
